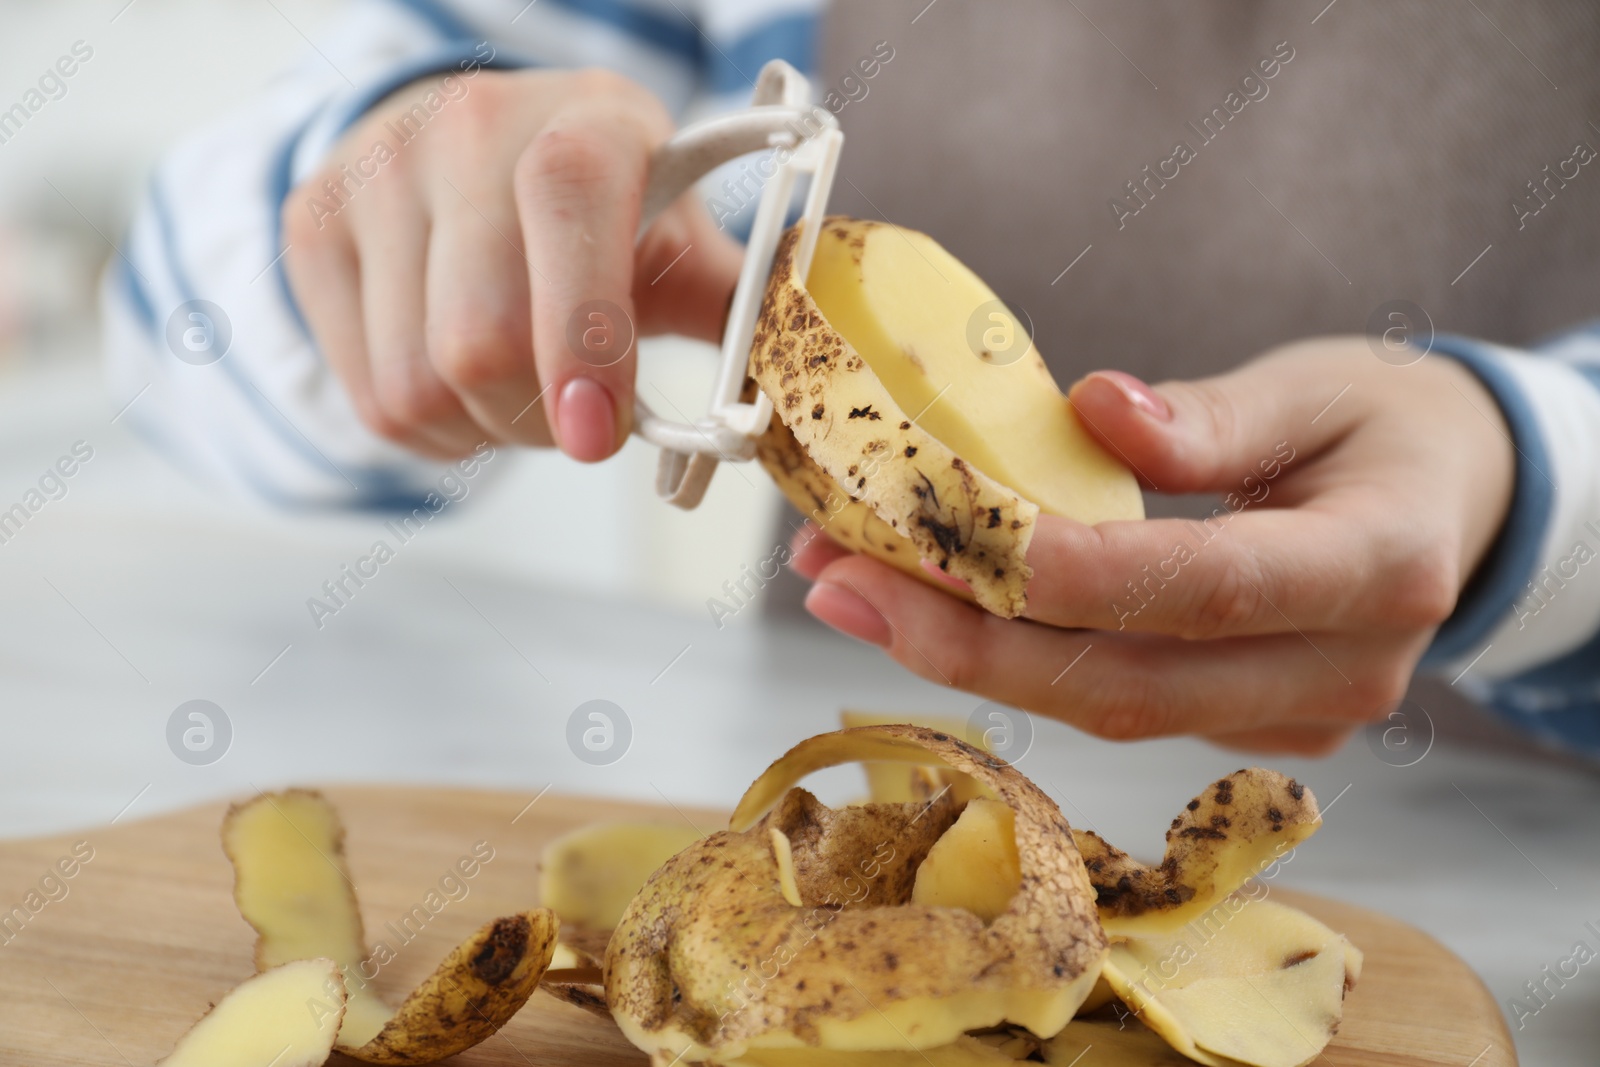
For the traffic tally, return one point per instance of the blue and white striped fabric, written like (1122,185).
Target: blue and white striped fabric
(1525,638)
(269,418)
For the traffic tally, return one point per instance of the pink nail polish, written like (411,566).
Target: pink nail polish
(1136,393)
(586,420)
(849,613)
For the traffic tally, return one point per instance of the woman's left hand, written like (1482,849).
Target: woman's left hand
(1358,499)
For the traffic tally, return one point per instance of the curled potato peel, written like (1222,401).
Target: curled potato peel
(1237,829)
(859,967)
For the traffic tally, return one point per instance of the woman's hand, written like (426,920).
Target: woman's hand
(1358,499)
(448,280)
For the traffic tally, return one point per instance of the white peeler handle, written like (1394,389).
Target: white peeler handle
(781,116)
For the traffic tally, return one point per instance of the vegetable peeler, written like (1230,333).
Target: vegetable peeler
(806,139)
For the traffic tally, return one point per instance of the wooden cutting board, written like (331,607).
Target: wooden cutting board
(146,937)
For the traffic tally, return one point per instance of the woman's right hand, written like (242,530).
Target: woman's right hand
(465,259)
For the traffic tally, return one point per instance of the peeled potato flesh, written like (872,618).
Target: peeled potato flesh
(1123,1042)
(1258,982)
(876,380)
(898,783)
(915,313)
(962,1052)
(783,856)
(974,865)
(269,1020)
(588,876)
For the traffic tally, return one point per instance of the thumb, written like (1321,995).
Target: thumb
(1190,437)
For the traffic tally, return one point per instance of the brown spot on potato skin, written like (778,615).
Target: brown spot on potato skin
(1257,802)
(911,450)
(502,950)
(946,534)
(813,362)
(1299,957)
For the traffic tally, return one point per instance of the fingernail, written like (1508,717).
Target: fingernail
(586,420)
(1135,392)
(942,576)
(848,612)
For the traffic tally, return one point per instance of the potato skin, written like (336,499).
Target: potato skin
(836,513)
(1233,831)
(844,418)
(710,955)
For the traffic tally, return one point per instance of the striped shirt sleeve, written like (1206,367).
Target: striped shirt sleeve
(207,351)
(1525,638)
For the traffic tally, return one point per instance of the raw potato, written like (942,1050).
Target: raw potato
(588,876)
(975,864)
(783,856)
(870,364)
(1116,1043)
(1255,982)
(264,1021)
(1235,830)
(898,783)
(679,976)
(962,1052)
(923,322)
(293,886)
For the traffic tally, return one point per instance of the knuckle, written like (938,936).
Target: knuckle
(482,111)
(960,665)
(1133,711)
(376,419)
(303,228)
(564,162)
(476,358)
(1229,604)
(1220,426)
(1378,689)
(598,82)
(1424,587)
(411,397)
